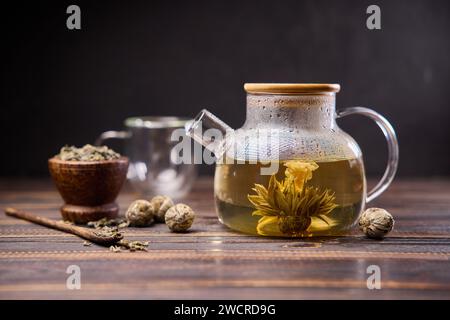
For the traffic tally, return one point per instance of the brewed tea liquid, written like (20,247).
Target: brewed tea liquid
(343,178)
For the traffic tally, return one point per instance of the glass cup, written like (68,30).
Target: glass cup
(154,166)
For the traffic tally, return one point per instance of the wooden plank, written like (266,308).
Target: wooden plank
(213,262)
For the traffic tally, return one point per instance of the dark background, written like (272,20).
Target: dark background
(174,58)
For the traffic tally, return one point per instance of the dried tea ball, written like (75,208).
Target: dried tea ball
(376,223)
(179,218)
(140,213)
(161,205)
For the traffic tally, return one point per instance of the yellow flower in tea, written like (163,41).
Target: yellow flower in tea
(300,171)
(287,206)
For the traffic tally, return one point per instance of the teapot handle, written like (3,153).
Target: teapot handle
(392,144)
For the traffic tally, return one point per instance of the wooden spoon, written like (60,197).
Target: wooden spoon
(94,236)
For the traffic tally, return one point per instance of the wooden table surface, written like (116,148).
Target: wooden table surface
(212,262)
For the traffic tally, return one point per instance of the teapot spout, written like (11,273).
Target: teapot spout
(210,132)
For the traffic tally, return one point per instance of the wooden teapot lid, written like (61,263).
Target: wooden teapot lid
(290,88)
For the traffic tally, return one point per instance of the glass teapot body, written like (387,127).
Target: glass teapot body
(290,171)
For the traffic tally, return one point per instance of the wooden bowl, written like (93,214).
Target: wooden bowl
(89,189)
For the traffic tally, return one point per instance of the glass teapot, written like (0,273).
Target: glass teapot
(290,171)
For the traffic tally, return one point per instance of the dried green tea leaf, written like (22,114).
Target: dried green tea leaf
(87,153)
(105,222)
(87,243)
